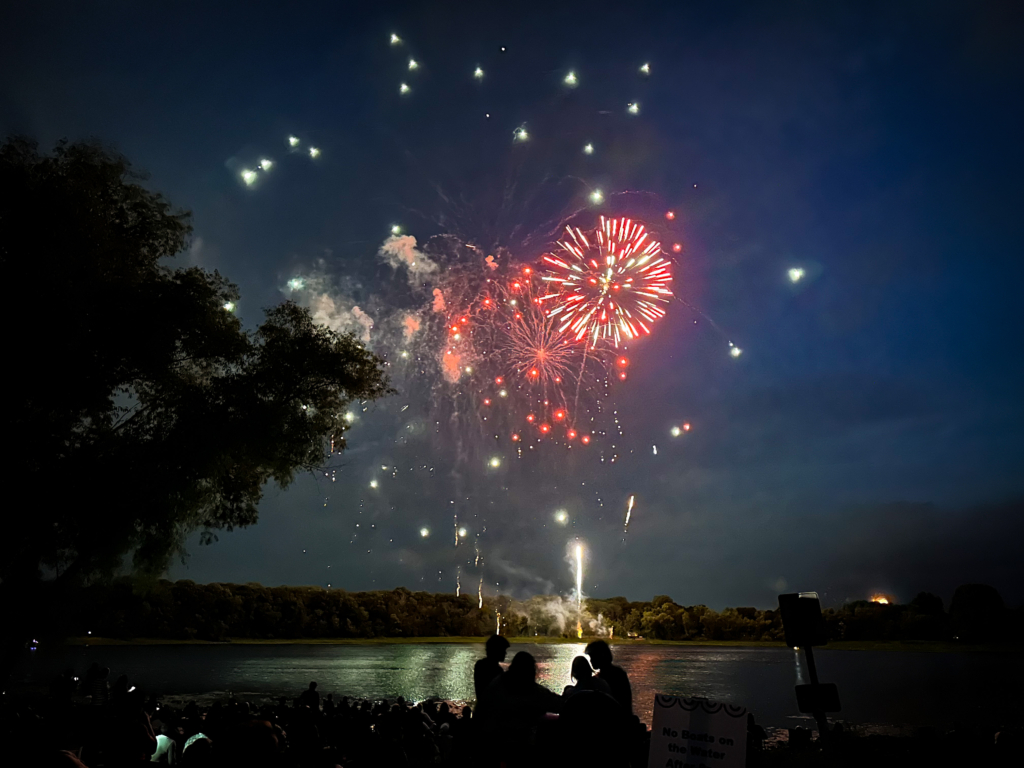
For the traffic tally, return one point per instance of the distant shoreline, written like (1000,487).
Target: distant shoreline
(918,646)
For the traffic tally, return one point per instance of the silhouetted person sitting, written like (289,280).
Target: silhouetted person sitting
(583,679)
(310,698)
(489,668)
(512,708)
(618,681)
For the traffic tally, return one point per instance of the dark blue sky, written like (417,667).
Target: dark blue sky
(869,437)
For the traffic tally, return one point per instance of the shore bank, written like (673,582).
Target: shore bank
(919,646)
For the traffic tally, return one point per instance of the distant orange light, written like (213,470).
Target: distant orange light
(463,319)
(677,247)
(571,434)
(534,373)
(559,415)
(686,427)
(558,379)
(527,270)
(622,375)
(881,599)
(487,401)
(515,285)
(455,329)
(545,428)
(499,381)
(487,302)
(515,438)
(623,362)
(670,215)
(585,439)
(530,418)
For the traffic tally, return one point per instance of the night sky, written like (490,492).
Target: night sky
(867,439)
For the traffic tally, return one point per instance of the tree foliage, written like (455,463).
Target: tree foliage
(140,410)
(186,610)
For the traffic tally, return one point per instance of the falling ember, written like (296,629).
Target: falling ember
(497,623)
(480,591)
(629,513)
(608,284)
(458,581)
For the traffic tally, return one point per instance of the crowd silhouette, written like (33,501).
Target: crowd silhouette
(515,721)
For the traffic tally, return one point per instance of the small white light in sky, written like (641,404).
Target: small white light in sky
(462,533)
(521,134)
(796,274)
(373,483)
(350,417)
(395,39)
(596,196)
(413,64)
(405,354)
(296,284)
(403,88)
(293,141)
(633,108)
(735,351)
(571,80)
(588,149)
(248,176)
(396,229)
(561,517)
(503,393)
(478,73)
(676,431)
(424,532)
(495,462)
(646,69)
(266,164)
(229,306)
(314,152)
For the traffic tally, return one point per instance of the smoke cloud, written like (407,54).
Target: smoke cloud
(400,252)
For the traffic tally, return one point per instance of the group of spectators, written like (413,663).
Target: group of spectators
(515,722)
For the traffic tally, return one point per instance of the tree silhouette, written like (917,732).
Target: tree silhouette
(139,409)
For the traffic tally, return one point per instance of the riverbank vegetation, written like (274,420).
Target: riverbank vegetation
(184,611)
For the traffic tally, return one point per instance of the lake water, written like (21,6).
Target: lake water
(876,687)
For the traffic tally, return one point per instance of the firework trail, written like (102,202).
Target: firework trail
(629,512)
(579,590)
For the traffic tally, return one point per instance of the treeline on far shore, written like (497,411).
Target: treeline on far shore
(184,610)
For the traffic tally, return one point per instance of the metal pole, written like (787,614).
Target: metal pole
(818,714)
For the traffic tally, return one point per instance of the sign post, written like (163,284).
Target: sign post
(697,733)
(805,628)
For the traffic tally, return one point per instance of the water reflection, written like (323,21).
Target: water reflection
(875,687)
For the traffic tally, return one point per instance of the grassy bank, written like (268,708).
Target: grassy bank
(924,646)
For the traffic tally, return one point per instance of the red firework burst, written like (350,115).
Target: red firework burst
(532,344)
(609,284)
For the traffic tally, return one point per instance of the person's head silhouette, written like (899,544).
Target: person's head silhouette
(496,647)
(600,654)
(312,686)
(581,669)
(523,670)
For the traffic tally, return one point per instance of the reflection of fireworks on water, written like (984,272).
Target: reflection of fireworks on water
(610,285)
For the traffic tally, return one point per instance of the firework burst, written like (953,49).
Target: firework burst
(609,284)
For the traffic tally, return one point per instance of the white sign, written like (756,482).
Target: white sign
(697,733)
